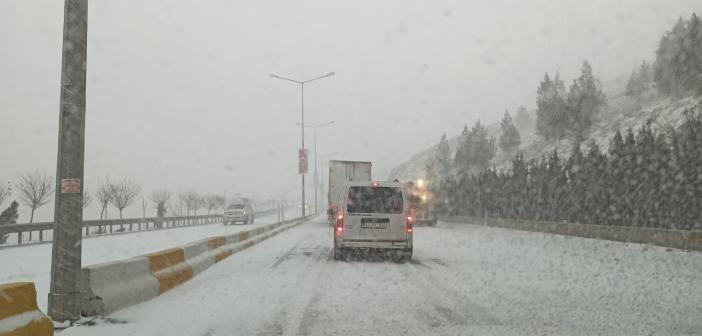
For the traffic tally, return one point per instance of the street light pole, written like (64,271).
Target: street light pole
(302,124)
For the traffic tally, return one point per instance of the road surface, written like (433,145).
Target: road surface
(464,280)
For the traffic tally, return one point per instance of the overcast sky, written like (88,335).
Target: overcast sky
(179,97)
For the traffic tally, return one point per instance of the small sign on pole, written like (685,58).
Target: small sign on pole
(70,186)
(302,164)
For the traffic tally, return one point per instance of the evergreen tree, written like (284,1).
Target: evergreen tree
(509,139)
(442,158)
(639,81)
(632,84)
(461,161)
(551,116)
(9,216)
(522,119)
(481,147)
(440,182)
(645,75)
(585,100)
(678,64)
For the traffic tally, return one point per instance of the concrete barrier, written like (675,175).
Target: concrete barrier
(213,245)
(197,255)
(111,286)
(170,268)
(19,314)
(680,239)
(114,285)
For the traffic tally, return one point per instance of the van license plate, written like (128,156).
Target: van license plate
(372,225)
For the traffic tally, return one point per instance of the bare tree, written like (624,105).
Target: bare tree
(192,201)
(87,198)
(211,202)
(201,203)
(34,190)
(104,195)
(5,191)
(160,197)
(123,194)
(221,202)
(175,211)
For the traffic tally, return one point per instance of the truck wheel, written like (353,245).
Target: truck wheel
(346,255)
(338,254)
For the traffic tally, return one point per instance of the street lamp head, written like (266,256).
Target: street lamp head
(331,74)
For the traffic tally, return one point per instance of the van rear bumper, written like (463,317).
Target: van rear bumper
(376,244)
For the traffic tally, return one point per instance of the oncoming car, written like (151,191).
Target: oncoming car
(239,212)
(374,217)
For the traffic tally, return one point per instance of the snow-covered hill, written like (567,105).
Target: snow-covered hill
(622,112)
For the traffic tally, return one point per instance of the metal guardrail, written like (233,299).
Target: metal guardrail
(109,226)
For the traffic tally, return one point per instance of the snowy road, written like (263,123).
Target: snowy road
(33,262)
(464,280)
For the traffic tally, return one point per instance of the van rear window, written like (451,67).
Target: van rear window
(374,200)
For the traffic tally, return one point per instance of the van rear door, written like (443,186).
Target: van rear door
(374,213)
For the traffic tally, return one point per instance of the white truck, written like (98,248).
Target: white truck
(340,174)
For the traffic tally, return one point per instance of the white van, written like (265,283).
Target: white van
(374,216)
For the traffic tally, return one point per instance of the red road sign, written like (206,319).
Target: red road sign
(302,164)
(70,186)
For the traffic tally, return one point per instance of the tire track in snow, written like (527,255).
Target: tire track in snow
(448,305)
(311,315)
(303,264)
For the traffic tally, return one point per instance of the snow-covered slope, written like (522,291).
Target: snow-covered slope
(622,112)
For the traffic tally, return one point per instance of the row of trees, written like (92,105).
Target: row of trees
(35,190)
(476,148)
(677,70)
(561,113)
(650,178)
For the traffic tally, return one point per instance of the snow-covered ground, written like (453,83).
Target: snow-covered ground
(464,280)
(33,262)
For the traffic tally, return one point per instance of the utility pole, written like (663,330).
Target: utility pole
(64,293)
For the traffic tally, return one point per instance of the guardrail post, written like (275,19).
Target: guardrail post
(19,238)
(41,235)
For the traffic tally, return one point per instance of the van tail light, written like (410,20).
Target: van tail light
(339,223)
(410,220)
